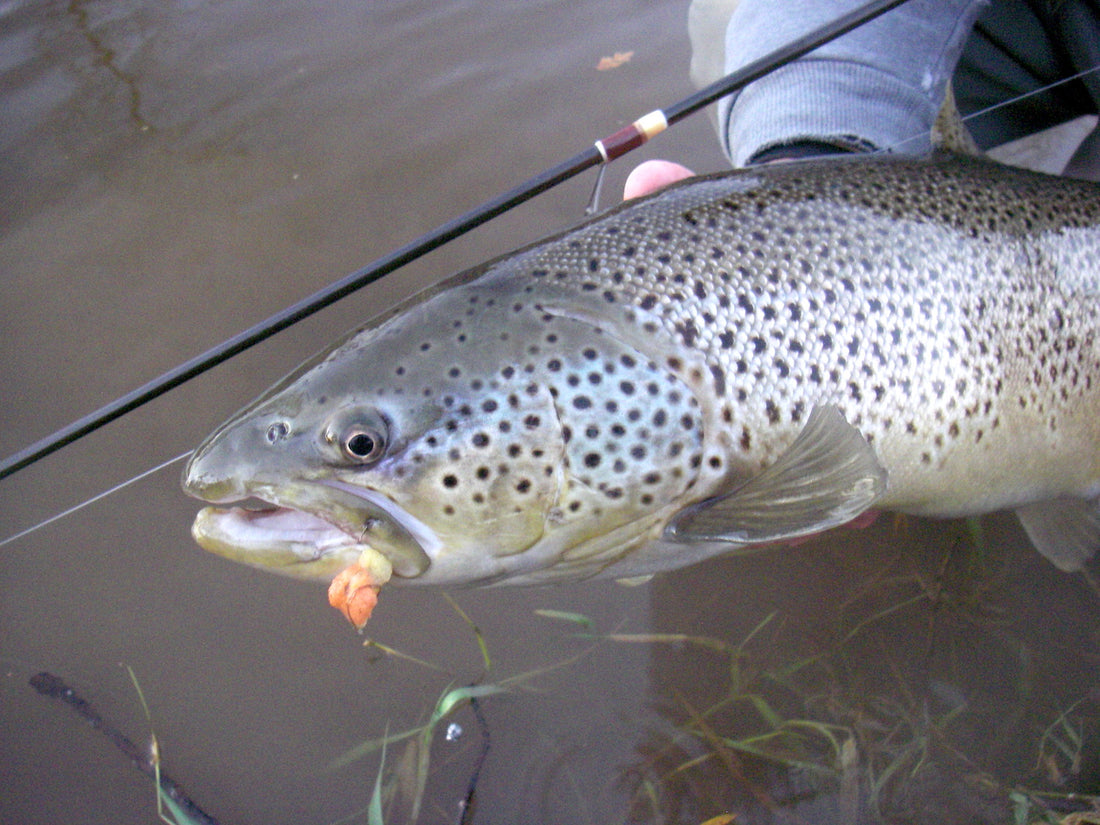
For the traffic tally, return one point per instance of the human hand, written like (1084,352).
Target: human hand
(652,175)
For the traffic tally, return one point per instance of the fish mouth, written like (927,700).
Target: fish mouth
(314,530)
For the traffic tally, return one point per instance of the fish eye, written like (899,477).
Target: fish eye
(358,435)
(362,444)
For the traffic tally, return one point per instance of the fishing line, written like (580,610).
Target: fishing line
(1032,93)
(603,151)
(94,499)
(1010,102)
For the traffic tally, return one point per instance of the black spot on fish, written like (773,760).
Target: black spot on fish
(688,331)
(582,402)
(719,379)
(772,411)
(726,339)
(592,460)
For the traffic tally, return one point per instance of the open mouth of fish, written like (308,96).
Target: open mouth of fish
(313,530)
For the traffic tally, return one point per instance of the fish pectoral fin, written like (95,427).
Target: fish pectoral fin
(827,477)
(1066,530)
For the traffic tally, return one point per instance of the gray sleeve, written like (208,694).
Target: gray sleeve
(878,87)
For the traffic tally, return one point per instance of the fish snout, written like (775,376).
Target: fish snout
(213,473)
(199,482)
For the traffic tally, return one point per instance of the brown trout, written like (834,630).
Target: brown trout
(739,359)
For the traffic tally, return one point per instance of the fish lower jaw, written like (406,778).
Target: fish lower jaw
(279,539)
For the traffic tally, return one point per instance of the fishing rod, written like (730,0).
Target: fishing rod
(601,152)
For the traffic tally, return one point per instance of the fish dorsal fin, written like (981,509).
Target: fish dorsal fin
(1065,530)
(949,132)
(827,477)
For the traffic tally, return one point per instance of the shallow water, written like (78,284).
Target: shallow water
(173,172)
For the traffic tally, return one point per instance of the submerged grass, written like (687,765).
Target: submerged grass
(169,810)
(925,698)
(945,727)
(409,776)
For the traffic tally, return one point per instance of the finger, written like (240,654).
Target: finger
(652,175)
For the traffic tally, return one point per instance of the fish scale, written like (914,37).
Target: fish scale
(931,314)
(741,358)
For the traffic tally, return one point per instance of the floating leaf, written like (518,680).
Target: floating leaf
(613,62)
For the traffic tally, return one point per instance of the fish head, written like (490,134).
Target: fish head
(476,437)
(369,448)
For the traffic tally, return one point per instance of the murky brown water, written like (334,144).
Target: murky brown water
(173,172)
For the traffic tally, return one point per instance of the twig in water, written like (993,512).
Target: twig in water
(56,688)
